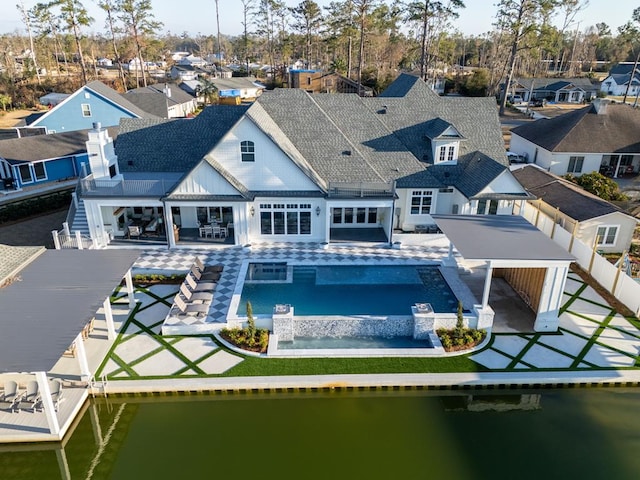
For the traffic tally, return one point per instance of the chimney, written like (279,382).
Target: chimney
(600,105)
(102,157)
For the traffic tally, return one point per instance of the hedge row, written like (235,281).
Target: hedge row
(29,207)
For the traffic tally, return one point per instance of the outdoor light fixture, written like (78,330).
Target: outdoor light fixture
(252,211)
(318,211)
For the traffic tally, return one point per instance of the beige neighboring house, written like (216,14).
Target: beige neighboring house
(594,220)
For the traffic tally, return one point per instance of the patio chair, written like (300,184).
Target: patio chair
(195,286)
(207,268)
(215,231)
(10,396)
(56,393)
(192,297)
(31,398)
(194,309)
(134,231)
(207,276)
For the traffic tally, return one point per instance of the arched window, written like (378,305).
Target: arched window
(247,150)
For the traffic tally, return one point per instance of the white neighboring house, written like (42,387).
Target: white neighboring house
(592,219)
(600,137)
(620,78)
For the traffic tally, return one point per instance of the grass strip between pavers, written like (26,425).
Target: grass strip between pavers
(518,358)
(573,298)
(124,366)
(593,339)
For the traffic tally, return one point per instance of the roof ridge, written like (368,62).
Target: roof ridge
(581,114)
(328,117)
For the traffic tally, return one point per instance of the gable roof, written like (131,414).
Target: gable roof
(338,138)
(553,84)
(568,197)
(586,131)
(102,90)
(152,98)
(142,145)
(46,147)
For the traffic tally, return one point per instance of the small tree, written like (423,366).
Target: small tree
(5,100)
(251,323)
(459,317)
(596,183)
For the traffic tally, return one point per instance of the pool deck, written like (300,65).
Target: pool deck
(595,345)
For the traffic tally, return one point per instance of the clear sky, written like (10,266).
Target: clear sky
(198,16)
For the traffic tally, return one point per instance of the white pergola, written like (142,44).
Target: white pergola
(511,242)
(45,308)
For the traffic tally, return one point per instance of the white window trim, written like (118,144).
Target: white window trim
(432,207)
(22,181)
(44,167)
(82,107)
(250,150)
(606,234)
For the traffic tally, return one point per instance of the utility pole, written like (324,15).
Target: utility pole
(218,24)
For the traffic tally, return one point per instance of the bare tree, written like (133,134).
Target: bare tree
(75,15)
(110,9)
(248,12)
(27,22)
(138,19)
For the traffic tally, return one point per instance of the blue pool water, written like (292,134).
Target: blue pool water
(353,342)
(352,290)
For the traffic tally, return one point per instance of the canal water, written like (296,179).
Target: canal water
(570,433)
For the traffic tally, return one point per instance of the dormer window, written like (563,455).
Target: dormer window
(247,151)
(445,140)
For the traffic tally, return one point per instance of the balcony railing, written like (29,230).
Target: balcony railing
(123,188)
(361,189)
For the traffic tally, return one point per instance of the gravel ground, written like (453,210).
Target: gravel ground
(33,231)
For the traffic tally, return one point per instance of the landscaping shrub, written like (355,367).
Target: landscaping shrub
(30,207)
(460,337)
(248,338)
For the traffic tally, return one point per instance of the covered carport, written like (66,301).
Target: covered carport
(510,247)
(44,305)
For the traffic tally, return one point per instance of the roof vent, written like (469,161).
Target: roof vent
(97,126)
(600,105)
(130,163)
(383,110)
(346,152)
(446,174)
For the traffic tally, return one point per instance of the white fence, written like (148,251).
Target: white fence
(612,278)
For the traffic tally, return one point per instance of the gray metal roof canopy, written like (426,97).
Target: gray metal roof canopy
(53,298)
(499,237)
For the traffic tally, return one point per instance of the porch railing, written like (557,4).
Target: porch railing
(361,189)
(127,188)
(75,240)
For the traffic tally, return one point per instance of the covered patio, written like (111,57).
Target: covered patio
(516,251)
(47,301)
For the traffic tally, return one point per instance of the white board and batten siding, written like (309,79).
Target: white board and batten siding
(205,180)
(272,169)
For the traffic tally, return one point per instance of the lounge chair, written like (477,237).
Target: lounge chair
(207,268)
(56,393)
(134,231)
(193,309)
(10,396)
(199,276)
(31,399)
(192,297)
(196,286)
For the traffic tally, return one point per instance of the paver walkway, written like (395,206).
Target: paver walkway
(592,335)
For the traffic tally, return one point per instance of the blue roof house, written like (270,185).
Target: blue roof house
(93,103)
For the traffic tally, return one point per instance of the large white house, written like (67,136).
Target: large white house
(297,167)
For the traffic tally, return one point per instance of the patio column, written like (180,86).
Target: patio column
(487,285)
(108,315)
(615,174)
(168,225)
(129,282)
(551,299)
(85,373)
(47,403)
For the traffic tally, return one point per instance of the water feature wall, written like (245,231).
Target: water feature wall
(288,328)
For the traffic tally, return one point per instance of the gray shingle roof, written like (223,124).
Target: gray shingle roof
(173,145)
(152,98)
(584,131)
(562,194)
(115,97)
(46,147)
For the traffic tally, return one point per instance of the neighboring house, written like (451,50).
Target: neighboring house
(592,219)
(222,72)
(293,167)
(560,90)
(599,137)
(243,87)
(163,100)
(43,160)
(192,61)
(312,81)
(94,102)
(52,99)
(183,73)
(104,62)
(620,78)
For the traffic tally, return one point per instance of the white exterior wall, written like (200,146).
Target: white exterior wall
(272,169)
(551,299)
(524,147)
(560,163)
(205,180)
(626,225)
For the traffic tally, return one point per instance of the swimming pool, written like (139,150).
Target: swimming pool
(352,290)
